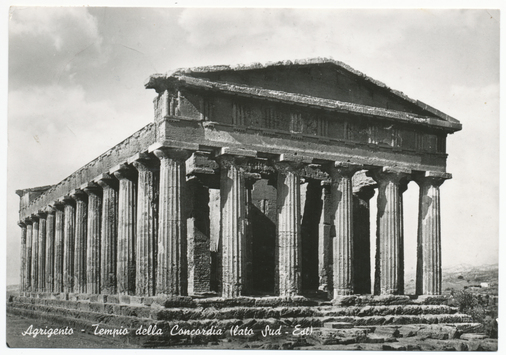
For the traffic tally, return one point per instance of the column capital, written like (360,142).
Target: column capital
(78,195)
(22,224)
(49,209)
(41,214)
(388,173)
(34,217)
(179,155)
(239,161)
(344,169)
(433,178)
(90,187)
(144,164)
(122,171)
(65,200)
(58,205)
(106,180)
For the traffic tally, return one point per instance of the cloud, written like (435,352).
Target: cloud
(48,128)
(48,44)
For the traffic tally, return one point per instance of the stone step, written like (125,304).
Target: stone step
(128,314)
(265,301)
(387,310)
(386,334)
(188,314)
(158,312)
(405,319)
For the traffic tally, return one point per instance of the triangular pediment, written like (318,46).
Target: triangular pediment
(319,77)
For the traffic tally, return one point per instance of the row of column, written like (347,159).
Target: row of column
(127,234)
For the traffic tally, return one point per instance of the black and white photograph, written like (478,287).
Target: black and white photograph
(252,177)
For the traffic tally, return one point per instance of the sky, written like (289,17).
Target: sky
(76,88)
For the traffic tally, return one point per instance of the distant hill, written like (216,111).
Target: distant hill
(459,277)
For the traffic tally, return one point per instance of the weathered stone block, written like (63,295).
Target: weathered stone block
(124,299)
(338,325)
(473,336)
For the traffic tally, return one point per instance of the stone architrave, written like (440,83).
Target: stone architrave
(58,247)
(93,256)
(125,269)
(233,225)
(389,253)
(145,257)
(41,277)
(69,212)
(108,233)
(288,243)
(428,269)
(50,248)
(35,253)
(22,269)
(341,195)
(171,273)
(80,242)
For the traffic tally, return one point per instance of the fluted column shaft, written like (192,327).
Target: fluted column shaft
(289,233)
(68,246)
(35,254)
(171,275)
(233,226)
(428,271)
(125,271)
(145,280)
(389,251)
(108,233)
(362,240)
(22,267)
(58,249)
(325,244)
(41,278)
(341,195)
(28,257)
(80,244)
(93,256)
(50,250)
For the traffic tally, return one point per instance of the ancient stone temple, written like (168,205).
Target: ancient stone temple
(250,181)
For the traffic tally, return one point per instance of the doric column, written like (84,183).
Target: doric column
(93,256)
(28,254)
(108,233)
(22,266)
(125,269)
(233,225)
(145,257)
(198,228)
(362,239)
(171,275)
(341,195)
(35,253)
(69,212)
(289,233)
(389,252)
(428,268)
(41,278)
(325,283)
(58,247)
(81,221)
(50,249)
